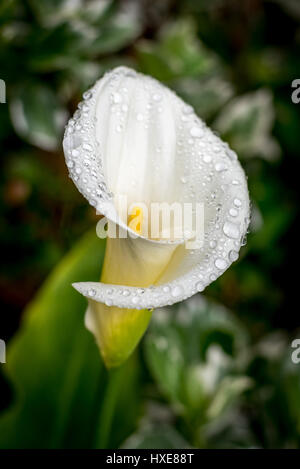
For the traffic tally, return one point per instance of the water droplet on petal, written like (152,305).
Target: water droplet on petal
(231,154)
(91,292)
(199,286)
(157,97)
(233,255)
(196,132)
(237,202)
(233,212)
(177,291)
(220,263)
(244,240)
(87,147)
(135,300)
(207,158)
(220,167)
(117,98)
(231,230)
(187,109)
(87,95)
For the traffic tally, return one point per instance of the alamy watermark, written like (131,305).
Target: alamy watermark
(296,353)
(158,221)
(2,91)
(2,351)
(296,93)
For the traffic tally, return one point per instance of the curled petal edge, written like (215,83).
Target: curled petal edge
(198,269)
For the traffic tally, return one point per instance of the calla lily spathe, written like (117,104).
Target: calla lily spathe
(133,136)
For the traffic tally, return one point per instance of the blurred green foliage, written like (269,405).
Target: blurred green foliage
(214,371)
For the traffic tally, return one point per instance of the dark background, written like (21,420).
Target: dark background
(234,62)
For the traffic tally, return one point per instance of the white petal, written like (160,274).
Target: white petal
(135,136)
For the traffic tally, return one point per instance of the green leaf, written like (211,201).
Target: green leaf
(52,12)
(37,115)
(64,397)
(246,123)
(162,436)
(117,32)
(206,95)
(230,388)
(178,53)
(189,349)
(75,34)
(57,48)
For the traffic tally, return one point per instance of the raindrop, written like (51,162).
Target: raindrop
(157,97)
(233,212)
(220,263)
(187,109)
(220,167)
(231,230)
(117,98)
(212,244)
(87,95)
(199,286)
(244,240)
(196,132)
(233,255)
(177,291)
(231,154)
(237,202)
(207,159)
(87,147)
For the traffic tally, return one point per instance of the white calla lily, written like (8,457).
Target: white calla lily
(133,136)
